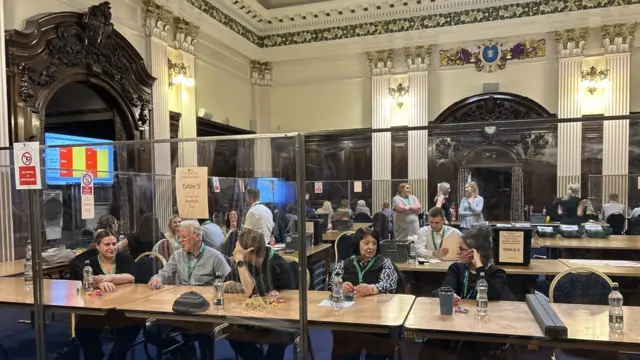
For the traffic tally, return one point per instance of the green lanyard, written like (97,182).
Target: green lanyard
(113,269)
(409,200)
(433,238)
(271,253)
(466,284)
(191,269)
(361,272)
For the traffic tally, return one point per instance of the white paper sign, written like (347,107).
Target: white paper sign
(569,227)
(216,184)
(547,229)
(318,188)
(87,203)
(523,225)
(503,225)
(357,186)
(593,227)
(26,158)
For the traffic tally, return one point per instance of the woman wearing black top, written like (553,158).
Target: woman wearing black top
(442,200)
(148,234)
(365,273)
(110,269)
(570,207)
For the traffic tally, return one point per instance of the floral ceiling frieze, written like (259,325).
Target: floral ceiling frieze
(413,23)
(492,55)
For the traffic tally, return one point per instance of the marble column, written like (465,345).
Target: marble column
(570,45)
(157,27)
(185,38)
(261,79)
(381,63)
(6,219)
(418,141)
(616,42)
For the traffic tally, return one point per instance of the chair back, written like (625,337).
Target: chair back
(617,222)
(362,218)
(381,225)
(581,286)
(342,246)
(634,226)
(293,262)
(401,284)
(147,265)
(230,243)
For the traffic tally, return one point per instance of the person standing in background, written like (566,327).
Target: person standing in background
(405,217)
(259,217)
(471,206)
(613,206)
(570,206)
(442,200)
(212,235)
(307,205)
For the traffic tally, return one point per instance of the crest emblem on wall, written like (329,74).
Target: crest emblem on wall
(492,55)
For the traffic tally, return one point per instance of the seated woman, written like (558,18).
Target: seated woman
(110,268)
(476,257)
(170,244)
(366,273)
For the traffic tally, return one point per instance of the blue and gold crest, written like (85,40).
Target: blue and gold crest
(492,55)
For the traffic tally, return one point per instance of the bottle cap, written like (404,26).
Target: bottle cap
(482,274)
(615,286)
(87,263)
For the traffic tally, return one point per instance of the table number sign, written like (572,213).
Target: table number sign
(511,246)
(192,193)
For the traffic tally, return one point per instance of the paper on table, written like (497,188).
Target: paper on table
(617,263)
(328,303)
(425,260)
(452,243)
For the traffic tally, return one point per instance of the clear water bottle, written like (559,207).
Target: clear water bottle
(412,252)
(544,210)
(482,300)
(616,318)
(337,297)
(28,268)
(218,293)
(87,278)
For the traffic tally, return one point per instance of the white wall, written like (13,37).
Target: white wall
(321,94)
(127,16)
(223,85)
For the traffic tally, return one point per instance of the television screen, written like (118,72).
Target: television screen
(274,190)
(66,164)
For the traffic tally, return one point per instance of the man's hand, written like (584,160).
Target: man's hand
(442,253)
(365,290)
(233,287)
(239,253)
(107,287)
(155,283)
(348,287)
(274,293)
(456,299)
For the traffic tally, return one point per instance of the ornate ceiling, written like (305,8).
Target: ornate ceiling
(274,4)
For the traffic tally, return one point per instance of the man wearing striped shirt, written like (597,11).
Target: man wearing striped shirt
(429,243)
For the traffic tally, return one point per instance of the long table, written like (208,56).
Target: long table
(613,242)
(16,267)
(607,269)
(588,325)
(537,267)
(390,310)
(311,251)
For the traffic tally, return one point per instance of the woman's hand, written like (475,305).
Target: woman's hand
(365,290)
(456,299)
(107,287)
(470,200)
(477,262)
(99,279)
(348,287)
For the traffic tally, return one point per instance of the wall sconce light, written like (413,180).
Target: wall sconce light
(399,94)
(593,79)
(179,74)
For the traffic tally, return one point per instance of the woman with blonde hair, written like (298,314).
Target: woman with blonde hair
(442,200)
(166,247)
(471,206)
(326,209)
(405,213)
(570,206)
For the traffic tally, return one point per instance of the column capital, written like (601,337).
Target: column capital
(571,42)
(261,74)
(157,20)
(417,57)
(617,38)
(381,62)
(185,35)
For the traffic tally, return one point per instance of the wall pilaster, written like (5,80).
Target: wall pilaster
(261,80)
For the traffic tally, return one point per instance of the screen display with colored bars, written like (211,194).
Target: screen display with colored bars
(66,164)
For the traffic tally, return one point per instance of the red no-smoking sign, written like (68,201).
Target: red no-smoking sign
(26,158)
(87,184)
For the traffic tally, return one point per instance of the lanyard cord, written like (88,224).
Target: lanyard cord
(104,271)
(433,238)
(361,272)
(191,269)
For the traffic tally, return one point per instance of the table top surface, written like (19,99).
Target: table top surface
(332,235)
(507,318)
(591,323)
(16,267)
(613,242)
(609,270)
(310,250)
(391,310)
(536,267)
(63,293)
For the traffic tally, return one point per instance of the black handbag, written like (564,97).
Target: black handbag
(190,303)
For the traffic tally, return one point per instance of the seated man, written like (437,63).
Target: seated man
(196,265)
(431,238)
(613,206)
(261,272)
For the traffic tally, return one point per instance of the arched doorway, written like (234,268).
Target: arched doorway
(502,161)
(80,56)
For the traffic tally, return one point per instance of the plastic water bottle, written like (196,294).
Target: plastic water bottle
(544,210)
(218,293)
(337,297)
(87,278)
(482,300)
(412,252)
(616,318)
(28,268)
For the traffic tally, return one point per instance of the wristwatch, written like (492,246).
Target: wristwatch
(240,263)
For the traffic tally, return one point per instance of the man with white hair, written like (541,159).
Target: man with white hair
(194,264)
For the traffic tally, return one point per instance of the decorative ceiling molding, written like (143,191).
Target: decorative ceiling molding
(381,62)
(617,38)
(251,20)
(571,42)
(158,20)
(417,57)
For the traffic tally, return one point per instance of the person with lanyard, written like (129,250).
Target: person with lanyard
(212,235)
(258,271)
(111,269)
(431,238)
(476,256)
(366,273)
(259,217)
(194,265)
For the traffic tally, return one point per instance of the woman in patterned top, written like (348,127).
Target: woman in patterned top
(365,273)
